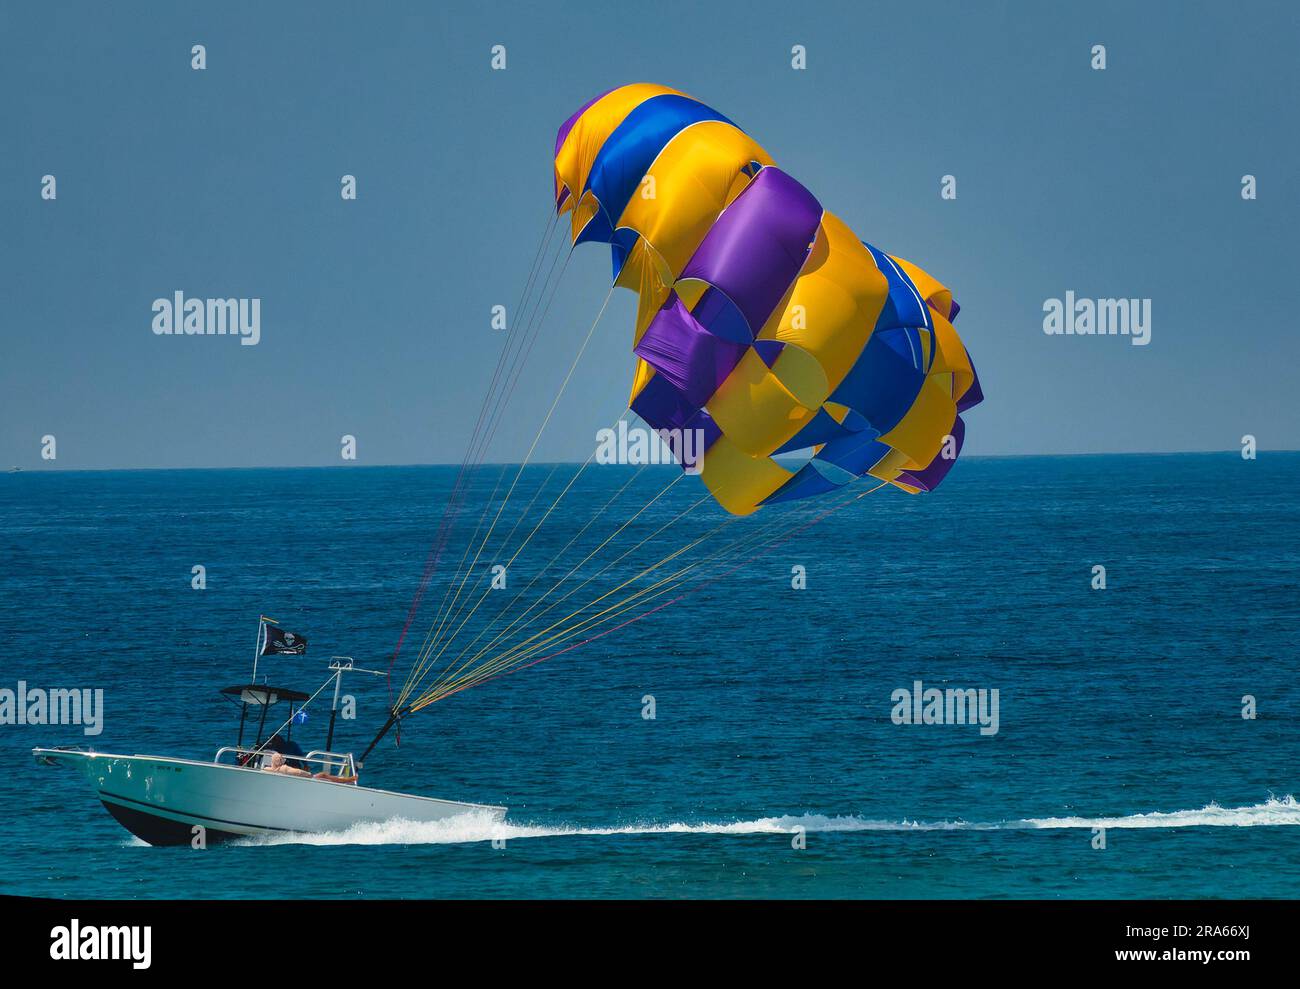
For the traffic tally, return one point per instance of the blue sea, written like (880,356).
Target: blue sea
(772,766)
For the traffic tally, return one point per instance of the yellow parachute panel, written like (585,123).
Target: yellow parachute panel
(738,481)
(835,301)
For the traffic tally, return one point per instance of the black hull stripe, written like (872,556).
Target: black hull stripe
(184,813)
(163,831)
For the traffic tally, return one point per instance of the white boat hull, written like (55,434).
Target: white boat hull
(163,800)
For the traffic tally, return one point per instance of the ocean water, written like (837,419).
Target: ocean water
(1118,708)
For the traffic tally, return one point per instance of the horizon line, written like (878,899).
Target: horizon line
(22,469)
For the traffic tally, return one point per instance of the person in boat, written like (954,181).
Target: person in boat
(277,764)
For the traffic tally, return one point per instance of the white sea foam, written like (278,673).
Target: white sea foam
(1272,812)
(475,826)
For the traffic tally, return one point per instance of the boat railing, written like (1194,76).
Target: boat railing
(334,763)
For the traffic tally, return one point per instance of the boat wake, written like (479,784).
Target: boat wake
(473,827)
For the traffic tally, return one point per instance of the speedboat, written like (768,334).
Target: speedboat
(168,801)
(267,788)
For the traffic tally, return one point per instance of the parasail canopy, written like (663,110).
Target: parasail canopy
(763,321)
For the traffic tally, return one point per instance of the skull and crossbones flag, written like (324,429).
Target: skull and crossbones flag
(278,642)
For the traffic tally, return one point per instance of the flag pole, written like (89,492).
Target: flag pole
(257,644)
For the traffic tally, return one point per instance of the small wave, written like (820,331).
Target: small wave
(476,826)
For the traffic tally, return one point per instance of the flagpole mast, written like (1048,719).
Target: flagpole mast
(334,708)
(257,644)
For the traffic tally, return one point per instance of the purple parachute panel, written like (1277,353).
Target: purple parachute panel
(757,246)
(689,356)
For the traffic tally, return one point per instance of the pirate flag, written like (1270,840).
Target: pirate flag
(278,642)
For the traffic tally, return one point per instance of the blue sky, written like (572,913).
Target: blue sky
(375,313)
